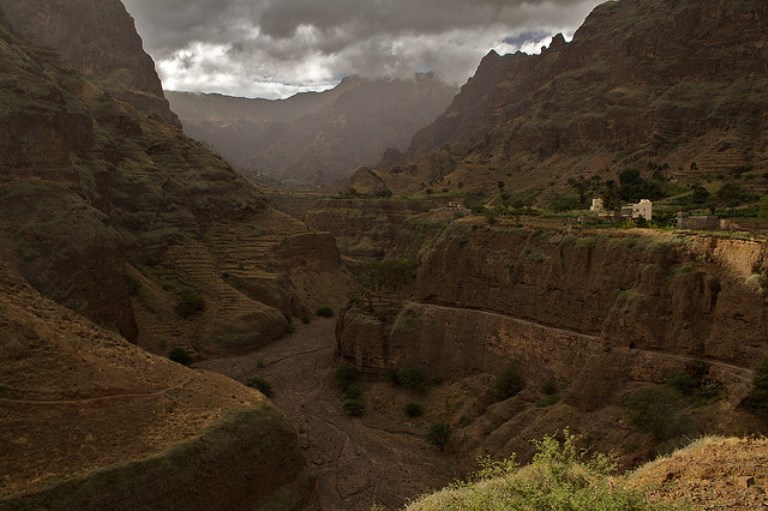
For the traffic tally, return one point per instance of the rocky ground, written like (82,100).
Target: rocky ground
(357,462)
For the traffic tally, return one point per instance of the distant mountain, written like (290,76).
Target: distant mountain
(314,138)
(642,82)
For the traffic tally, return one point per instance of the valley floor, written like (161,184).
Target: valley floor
(357,461)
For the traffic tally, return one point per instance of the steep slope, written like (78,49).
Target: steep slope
(89,421)
(99,40)
(642,81)
(314,139)
(89,184)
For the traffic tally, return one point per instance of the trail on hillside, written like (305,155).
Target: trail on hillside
(357,461)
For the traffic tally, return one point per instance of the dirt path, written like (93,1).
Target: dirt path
(358,462)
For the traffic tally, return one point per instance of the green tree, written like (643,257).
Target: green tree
(439,435)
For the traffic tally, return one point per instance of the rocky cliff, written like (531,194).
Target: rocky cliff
(595,315)
(317,138)
(100,41)
(642,81)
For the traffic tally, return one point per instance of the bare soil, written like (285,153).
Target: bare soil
(377,458)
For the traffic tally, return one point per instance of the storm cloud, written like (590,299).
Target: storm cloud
(275,48)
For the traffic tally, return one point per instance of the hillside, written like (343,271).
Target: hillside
(90,421)
(643,83)
(315,138)
(116,214)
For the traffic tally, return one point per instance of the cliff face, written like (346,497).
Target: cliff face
(594,314)
(642,80)
(100,41)
(314,139)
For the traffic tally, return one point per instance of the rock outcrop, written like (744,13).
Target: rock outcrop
(100,41)
(317,138)
(642,81)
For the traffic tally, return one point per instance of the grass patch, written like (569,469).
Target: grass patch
(561,477)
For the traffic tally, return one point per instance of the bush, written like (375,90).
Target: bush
(190,303)
(354,391)
(657,410)
(412,379)
(393,375)
(326,311)
(413,409)
(508,384)
(134,286)
(353,407)
(758,397)
(262,386)
(439,434)
(345,376)
(392,274)
(180,356)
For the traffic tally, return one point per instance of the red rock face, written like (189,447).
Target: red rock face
(667,81)
(99,40)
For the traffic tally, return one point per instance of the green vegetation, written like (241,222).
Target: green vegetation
(508,384)
(413,409)
(439,435)
(180,356)
(391,274)
(657,410)
(551,395)
(561,477)
(345,376)
(325,311)
(758,397)
(353,407)
(414,379)
(262,386)
(354,391)
(134,286)
(190,303)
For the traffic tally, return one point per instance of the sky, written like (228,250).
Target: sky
(277,48)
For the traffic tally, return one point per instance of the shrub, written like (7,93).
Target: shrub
(393,375)
(758,397)
(657,410)
(345,376)
(305,318)
(262,386)
(134,286)
(354,391)
(508,384)
(326,311)
(413,409)
(180,356)
(392,274)
(412,379)
(439,434)
(190,303)
(353,407)
(684,383)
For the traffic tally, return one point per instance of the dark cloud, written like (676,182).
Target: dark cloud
(278,47)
